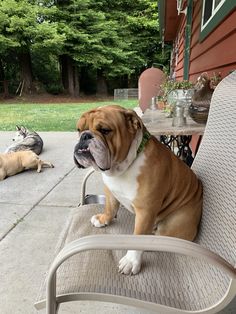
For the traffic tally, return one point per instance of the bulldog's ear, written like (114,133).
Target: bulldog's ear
(134,122)
(80,125)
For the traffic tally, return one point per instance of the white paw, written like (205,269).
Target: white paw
(96,222)
(130,264)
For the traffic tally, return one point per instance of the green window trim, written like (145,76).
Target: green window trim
(187,44)
(161,16)
(224,10)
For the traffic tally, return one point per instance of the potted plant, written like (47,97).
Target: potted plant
(202,95)
(172,90)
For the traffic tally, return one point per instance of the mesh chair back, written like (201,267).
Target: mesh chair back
(215,164)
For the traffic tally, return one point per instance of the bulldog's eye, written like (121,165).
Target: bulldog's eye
(104,131)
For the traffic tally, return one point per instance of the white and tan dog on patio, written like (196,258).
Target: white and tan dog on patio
(16,162)
(140,173)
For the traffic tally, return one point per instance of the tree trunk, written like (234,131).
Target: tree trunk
(26,73)
(3,81)
(63,69)
(101,84)
(2,74)
(76,81)
(69,76)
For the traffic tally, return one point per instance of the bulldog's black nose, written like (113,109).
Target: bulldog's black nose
(85,136)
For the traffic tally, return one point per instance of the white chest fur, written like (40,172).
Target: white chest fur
(125,186)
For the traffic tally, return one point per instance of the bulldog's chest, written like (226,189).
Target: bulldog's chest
(125,187)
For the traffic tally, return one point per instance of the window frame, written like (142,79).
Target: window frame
(179,6)
(218,14)
(213,12)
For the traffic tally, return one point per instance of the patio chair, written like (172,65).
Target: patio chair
(177,276)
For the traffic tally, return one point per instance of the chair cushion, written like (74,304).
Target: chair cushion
(165,278)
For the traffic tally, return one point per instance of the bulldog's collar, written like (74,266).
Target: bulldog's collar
(145,139)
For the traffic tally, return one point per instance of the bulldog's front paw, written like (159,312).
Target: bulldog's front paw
(99,220)
(130,264)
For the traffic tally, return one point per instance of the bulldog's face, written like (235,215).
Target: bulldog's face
(105,136)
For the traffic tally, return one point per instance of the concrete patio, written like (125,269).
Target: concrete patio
(33,210)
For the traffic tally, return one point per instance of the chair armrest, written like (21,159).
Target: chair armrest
(129,242)
(144,243)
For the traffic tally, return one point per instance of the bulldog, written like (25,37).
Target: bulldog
(15,162)
(142,174)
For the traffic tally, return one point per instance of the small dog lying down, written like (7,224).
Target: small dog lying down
(15,162)
(26,140)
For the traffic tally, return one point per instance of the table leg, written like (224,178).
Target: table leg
(179,145)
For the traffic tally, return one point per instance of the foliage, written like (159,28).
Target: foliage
(102,34)
(138,25)
(215,79)
(117,38)
(11,70)
(170,85)
(25,25)
(47,70)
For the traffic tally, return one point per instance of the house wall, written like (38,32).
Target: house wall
(179,46)
(216,53)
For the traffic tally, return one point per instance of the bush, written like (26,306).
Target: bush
(54,88)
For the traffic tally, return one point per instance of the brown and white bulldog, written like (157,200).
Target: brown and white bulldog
(15,162)
(140,173)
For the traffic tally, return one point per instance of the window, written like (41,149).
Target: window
(210,7)
(213,13)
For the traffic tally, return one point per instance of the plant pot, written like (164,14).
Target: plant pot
(161,105)
(198,113)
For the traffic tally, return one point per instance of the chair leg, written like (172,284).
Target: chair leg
(83,186)
(51,303)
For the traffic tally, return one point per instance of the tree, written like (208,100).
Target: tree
(91,39)
(112,40)
(139,26)
(26,26)
(130,41)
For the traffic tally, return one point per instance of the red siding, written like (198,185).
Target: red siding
(216,53)
(181,35)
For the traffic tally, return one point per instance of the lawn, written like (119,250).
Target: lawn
(49,117)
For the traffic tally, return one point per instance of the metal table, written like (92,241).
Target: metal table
(176,138)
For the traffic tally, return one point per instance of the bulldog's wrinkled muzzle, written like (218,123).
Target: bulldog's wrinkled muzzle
(91,151)
(76,162)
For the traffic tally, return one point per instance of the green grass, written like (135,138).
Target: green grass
(49,117)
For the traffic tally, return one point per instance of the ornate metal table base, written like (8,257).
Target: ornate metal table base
(180,146)
(176,138)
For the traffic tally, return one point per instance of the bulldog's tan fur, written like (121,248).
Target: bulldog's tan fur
(162,191)
(169,196)
(15,162)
